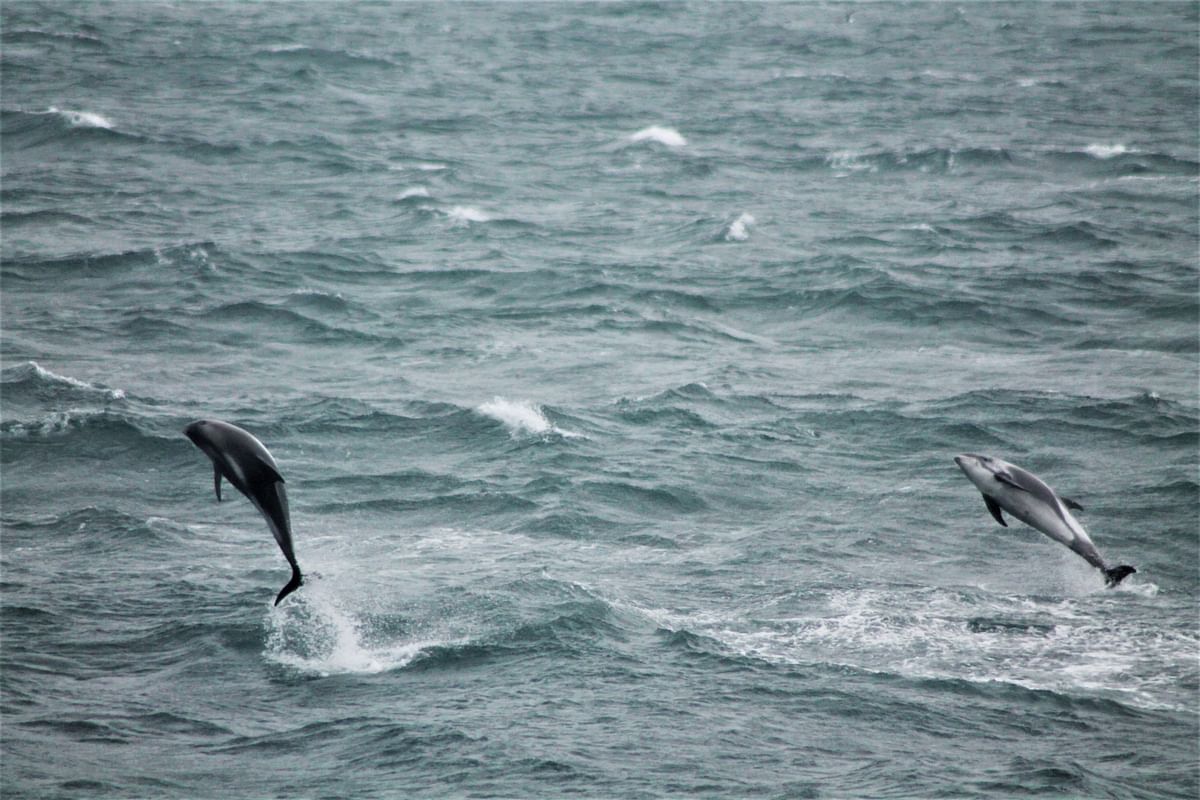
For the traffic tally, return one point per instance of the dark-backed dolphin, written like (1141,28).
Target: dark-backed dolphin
(245,462)
(1007,487)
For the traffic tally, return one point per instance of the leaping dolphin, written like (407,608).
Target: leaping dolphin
(1024,495)
(245,462)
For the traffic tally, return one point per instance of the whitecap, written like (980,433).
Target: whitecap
(847,161)
(657,133)
(413,191)
(466,214)
(1106,150)
(66,380)
(737,230)
(520,416)
(82,119)
(420,166)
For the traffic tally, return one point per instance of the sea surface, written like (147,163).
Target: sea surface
(615,356)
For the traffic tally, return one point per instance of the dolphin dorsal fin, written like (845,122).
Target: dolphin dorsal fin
(217,480)
(1071,504)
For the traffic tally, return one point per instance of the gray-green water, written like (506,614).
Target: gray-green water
(616,357)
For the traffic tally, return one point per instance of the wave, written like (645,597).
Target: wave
(18,35)
(638,500)
(198,257)
(1145,417)
(281,316)
(934,159)
(31,378)
(324,57)
(57,126)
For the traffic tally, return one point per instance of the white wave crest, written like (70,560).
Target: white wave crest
(65,380)
(467,214)
(737,230)
(657,133)
(1105,151)
(521,416)
(847,161)
(413,191)
(82,119)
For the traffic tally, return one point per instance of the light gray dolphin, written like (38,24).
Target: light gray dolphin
(245,462)
(1009,488)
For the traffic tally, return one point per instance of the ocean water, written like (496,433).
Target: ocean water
(616,356)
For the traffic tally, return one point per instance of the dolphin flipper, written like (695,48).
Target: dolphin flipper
(994,507)
(1071,504)
(217,480)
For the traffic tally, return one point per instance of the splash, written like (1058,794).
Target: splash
(313,633)
(655,133)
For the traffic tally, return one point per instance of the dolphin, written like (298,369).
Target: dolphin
(245,462)
(1009,488)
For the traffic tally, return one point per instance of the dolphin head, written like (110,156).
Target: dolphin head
(196,432)
(201,434)
(976,467)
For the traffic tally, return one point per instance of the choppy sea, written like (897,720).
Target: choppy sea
(616,356)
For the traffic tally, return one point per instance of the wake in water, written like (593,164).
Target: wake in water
(1063,645)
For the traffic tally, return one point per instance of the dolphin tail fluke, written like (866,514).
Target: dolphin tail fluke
(1115,575)
(293,584)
